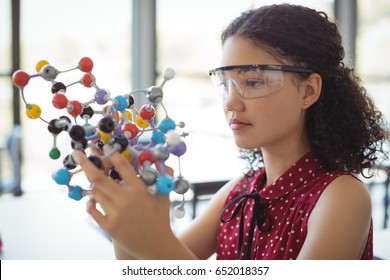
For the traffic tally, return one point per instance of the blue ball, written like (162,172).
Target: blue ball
(89,129)
(75,193)
(166,124)
(62,176)
(165,185)
(120,103)
(158,137)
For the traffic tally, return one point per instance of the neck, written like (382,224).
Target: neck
(276,163)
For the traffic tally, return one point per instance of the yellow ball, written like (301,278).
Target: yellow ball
(33,111)
(40,64)
(104,137)
(127,155)
(141,122)
(129,115)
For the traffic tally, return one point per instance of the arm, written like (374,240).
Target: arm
(339,224)
(201,236)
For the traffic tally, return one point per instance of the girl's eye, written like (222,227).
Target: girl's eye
(255,83)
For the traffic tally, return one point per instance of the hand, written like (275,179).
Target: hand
(132,216)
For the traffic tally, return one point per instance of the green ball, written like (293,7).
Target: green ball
(54,153)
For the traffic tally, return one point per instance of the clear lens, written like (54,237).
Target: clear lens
(248,82)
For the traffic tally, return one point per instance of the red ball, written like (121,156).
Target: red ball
(75,109)
(20,78)
(86,64)
(147,112)
(88,79)
(59,101)
(132,128)
(145,156)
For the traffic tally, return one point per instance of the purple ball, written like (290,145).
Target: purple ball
(101,96)
(179,149)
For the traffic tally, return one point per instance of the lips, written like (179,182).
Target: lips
(236,124)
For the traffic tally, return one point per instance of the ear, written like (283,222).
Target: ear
(312,90)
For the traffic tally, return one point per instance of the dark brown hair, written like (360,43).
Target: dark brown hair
(345,130)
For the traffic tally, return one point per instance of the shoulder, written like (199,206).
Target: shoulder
(344,195)
(339,223)
(346,189)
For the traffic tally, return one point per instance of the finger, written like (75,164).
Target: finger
(106,163)
(98,216)
(95,175)
(126,170)
(106,202)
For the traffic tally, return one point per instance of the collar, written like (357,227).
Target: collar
(292,179)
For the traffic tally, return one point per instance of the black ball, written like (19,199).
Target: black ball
(53,128)
(106,125)
(96,161)
(87,111)
(77,133)
(69,162)
(114,174)
(122,141)
(58,87)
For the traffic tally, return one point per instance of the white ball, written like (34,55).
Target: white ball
(173,138)
(179,212)
(169,73)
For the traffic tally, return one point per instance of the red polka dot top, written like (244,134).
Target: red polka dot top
(271,223)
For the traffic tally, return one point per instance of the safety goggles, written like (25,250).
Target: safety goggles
(252,81)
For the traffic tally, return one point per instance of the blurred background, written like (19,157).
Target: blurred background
(131,42)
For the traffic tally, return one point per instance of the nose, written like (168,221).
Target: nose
(233,100)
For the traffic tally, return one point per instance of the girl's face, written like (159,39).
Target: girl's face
(275,120)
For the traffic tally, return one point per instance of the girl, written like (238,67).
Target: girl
(289,99)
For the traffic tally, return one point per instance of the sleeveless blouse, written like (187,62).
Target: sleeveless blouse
(271,222)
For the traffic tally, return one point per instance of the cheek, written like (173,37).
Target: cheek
(277,116)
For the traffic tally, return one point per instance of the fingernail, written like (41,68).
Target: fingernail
(77,156)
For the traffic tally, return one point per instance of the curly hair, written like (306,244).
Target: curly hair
(345,129)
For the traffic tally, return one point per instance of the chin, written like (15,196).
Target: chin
(247,146)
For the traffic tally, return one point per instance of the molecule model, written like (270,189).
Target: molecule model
(134,132)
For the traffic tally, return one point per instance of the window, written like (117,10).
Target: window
(373,44)
(5,69)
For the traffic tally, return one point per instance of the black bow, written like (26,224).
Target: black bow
(259,219)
